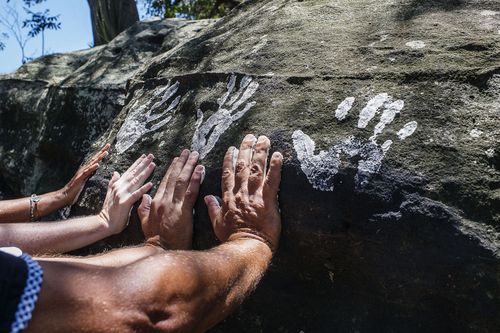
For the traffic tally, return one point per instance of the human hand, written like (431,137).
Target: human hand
(124,191)
(167,220)
(249,194)
(71,191)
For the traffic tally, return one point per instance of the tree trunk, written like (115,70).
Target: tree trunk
(110,17)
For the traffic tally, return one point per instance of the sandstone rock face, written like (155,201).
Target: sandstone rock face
(53,109)
(387,113)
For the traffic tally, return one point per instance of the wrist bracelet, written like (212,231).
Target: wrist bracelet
(34,199)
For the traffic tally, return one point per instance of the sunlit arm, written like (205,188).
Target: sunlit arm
(18,210)
(165,291)
(54,237)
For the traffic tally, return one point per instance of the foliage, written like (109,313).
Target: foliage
(192,9)
(39,22)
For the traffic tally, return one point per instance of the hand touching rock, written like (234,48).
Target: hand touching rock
(249,194)
(124,191)
(167,220)
(71,191)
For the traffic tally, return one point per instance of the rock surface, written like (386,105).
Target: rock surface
(387,114)
(53,109)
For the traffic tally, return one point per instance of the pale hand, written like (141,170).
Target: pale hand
(124,191)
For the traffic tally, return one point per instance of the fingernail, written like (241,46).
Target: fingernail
(214,199)
(143,155)
(152,165)
(202,174)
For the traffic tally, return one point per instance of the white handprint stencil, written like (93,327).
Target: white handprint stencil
(146,113)
(320,169)
(208,133)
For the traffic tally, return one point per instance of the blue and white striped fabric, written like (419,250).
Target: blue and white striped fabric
(30,295)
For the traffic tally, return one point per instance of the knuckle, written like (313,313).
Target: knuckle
(226,173)
(227,197)
(240,166)
(256,170)
(255,180)
(257,203)
(160,210)
(238,198)
(190,195)
(181,182)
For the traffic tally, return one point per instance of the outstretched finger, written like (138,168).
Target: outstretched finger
(176,170)
(137,194)
(194,187)
(242,168)
(227,183)
(103,152)
(160,192)
(140,178)
(184,177)
(273,178)
(90,170)
(113,180)
(213,208)
(259,164)
(135,164)
(144,209)
(144,164)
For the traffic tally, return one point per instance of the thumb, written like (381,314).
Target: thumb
(144,208)
(114,178)
(213,208)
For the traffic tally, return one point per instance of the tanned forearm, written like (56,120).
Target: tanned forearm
(248,260)
(116,258)
(199,289)
(18,210)
(165,291)
(54,237)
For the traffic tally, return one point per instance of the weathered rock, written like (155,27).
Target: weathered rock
(54,108)
(378,235)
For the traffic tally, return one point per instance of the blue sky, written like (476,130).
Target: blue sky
(75,32)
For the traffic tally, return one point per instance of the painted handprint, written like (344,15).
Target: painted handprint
(320,169)
(230,110)
(147,113)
